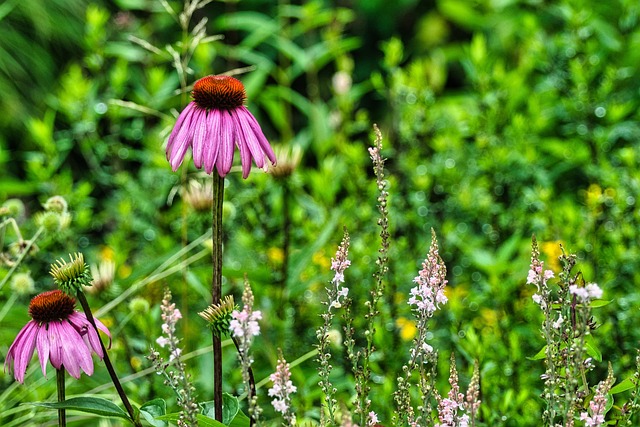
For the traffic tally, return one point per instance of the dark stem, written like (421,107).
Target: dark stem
(62,415)
(286,225)
(216,289)
(252,381)
(107,361)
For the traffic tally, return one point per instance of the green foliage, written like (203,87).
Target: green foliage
(500,120)
(92,405)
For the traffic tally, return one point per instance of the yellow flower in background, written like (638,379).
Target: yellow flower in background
(136,363)
(275,255)
(456,296)
(124,271)
(552,252)
(107,253)
(486,321)
(321,260)
(407,328)
(489,316)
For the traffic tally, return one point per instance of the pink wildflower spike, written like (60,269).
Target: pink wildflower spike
(61,335)
(213,123)
(282,390)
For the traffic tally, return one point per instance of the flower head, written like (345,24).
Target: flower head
(218,316)
(102,276)
(61,335)
(338,294)
(598,405)
(71,276)
(213,123)
(282,390)
(428,293)
(586,293)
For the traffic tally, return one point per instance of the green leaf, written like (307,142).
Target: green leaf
(240,420)
(592,349)
(92,405)
(596,303)
(152,409)
(625,385)
(301,260)
(204,421)
(230,408)
(208,409)
(539,355)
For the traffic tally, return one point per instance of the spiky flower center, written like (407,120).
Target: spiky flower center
(52,305)
(218,92)
(219,315)
(73,275)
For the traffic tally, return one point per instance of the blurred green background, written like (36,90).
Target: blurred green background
(501,119)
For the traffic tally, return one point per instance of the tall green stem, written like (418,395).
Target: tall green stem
(24,252)
(62,415)
(216,289)
(107,362)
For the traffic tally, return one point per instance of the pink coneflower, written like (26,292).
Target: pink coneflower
(62,335)
(212,123)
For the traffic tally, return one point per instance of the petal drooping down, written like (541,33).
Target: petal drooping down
(213,123)
(61,335)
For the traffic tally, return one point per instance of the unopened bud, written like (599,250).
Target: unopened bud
(56,204)
(22,284)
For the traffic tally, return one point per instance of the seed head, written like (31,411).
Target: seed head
(218,92)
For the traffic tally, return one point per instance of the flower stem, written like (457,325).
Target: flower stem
(107,362)
(216,289)
(251,391)
(23,253)
(62,416)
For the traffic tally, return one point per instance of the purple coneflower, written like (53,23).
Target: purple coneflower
(212,123)
(62,335)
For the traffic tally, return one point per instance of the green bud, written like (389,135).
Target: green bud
(139,306)
(22,284)
(218,316)
(71,276)
(56,204)
(50,221)
(13,207)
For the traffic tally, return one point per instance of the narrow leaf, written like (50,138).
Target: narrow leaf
(92,405)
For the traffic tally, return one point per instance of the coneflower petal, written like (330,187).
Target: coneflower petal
(200,137)
(253,141)
(262,140)
(183,140)
(227,137)
(55,345)
(214,141)
(42,343)
(178,126)
(242,144)
(21,350)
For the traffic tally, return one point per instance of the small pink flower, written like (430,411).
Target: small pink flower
(213,123)
(282,390)
(428,293)
(245,322)
(373,419)
(61,335)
